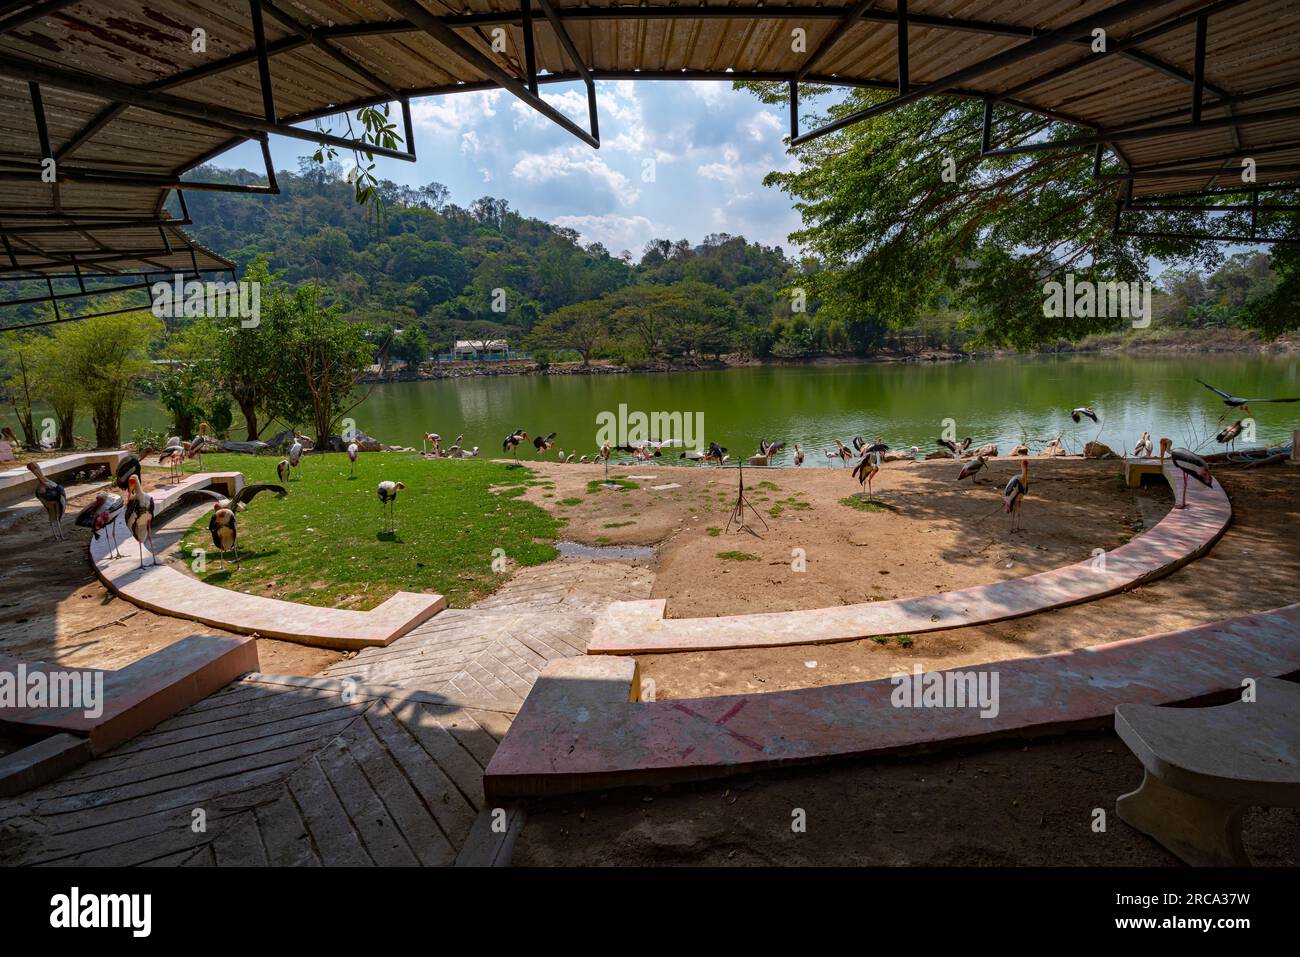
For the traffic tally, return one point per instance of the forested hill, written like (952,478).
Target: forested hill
(460,271)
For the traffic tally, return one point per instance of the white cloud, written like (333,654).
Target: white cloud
(761,125)
(452,114)
(469,142)
(575,161)
(613,231)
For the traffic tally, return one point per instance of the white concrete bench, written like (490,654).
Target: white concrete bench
(1205,766)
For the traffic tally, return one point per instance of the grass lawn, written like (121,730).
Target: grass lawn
(324,544)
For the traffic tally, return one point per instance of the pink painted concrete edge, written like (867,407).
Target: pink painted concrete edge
(145,692)
(640,627)
(166,591)
(579,728)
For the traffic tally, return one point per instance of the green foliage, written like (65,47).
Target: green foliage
(322,544)
(146,440)
(735,556)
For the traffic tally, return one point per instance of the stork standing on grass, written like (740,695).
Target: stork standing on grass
(52,496)
(139,517)
(225,534)
(353,449)
(100,514)
(282,470)
(173,456)
(1189,463)
(295,454)
(1013,496)
(387,492)
(199,444)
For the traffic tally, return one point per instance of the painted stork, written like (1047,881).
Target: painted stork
(139,517)
(971,469)
(100,514)
(1189,463)
(237,502)
(126,468)
(295,454)
(282,470)
(353,449)
(1078,414)
(52,496)
(867,468)
(199,444)
(1230,435)
(1236,402)
(955,449)
(839,452)
(1013,496)
(798,454)
(387,492)
(543,445)
(173,456)
(225,534)
(1144,446)
(511,442)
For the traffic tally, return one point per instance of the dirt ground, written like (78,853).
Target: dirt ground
(930,533)
(1254,567)
(1005,804)
(53,608)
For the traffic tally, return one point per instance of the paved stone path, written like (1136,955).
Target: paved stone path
(386,768)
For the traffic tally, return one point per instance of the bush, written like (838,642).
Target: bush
(148,440)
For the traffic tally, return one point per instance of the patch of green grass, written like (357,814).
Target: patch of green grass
(775,511)
(617,524)
(603,540)
(768,485)
(713,531)
(867,505)
(737,557)
(903,641)
(450,517)
(598,485)
(570,501)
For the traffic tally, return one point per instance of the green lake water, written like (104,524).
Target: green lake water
(1003,401)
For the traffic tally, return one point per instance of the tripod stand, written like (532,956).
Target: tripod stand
(742,503)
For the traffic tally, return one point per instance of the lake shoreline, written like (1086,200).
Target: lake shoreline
(1182,342)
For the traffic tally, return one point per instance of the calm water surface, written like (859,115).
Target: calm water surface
(1005,401)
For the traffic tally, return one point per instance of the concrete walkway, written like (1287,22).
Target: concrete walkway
(639,627)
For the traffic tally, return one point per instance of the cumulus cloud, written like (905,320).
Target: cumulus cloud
(615,232)
(572,162)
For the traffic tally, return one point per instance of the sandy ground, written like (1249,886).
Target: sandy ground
(931,534)
(1004,804)
(53,608)
(1254,567)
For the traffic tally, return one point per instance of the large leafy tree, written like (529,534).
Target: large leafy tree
(242,355)
(896,236)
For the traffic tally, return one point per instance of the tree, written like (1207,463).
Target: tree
(243,358)
(582,327)
(19,379)
(54,386)
(319,359)
(411,346)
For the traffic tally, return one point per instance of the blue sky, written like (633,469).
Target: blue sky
(677,160)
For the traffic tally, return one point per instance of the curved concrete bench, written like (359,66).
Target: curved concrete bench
(582,729)
(639,627)
(18,484)
(163,589)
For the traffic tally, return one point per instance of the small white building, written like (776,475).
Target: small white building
(481,349)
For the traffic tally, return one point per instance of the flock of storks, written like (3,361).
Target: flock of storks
(100,515)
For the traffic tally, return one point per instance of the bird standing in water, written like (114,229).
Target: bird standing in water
(1189,463)
(798,454)
(139,517)
(387,492)
(353,449)
(52,496)
(225,534)
(1013,496)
